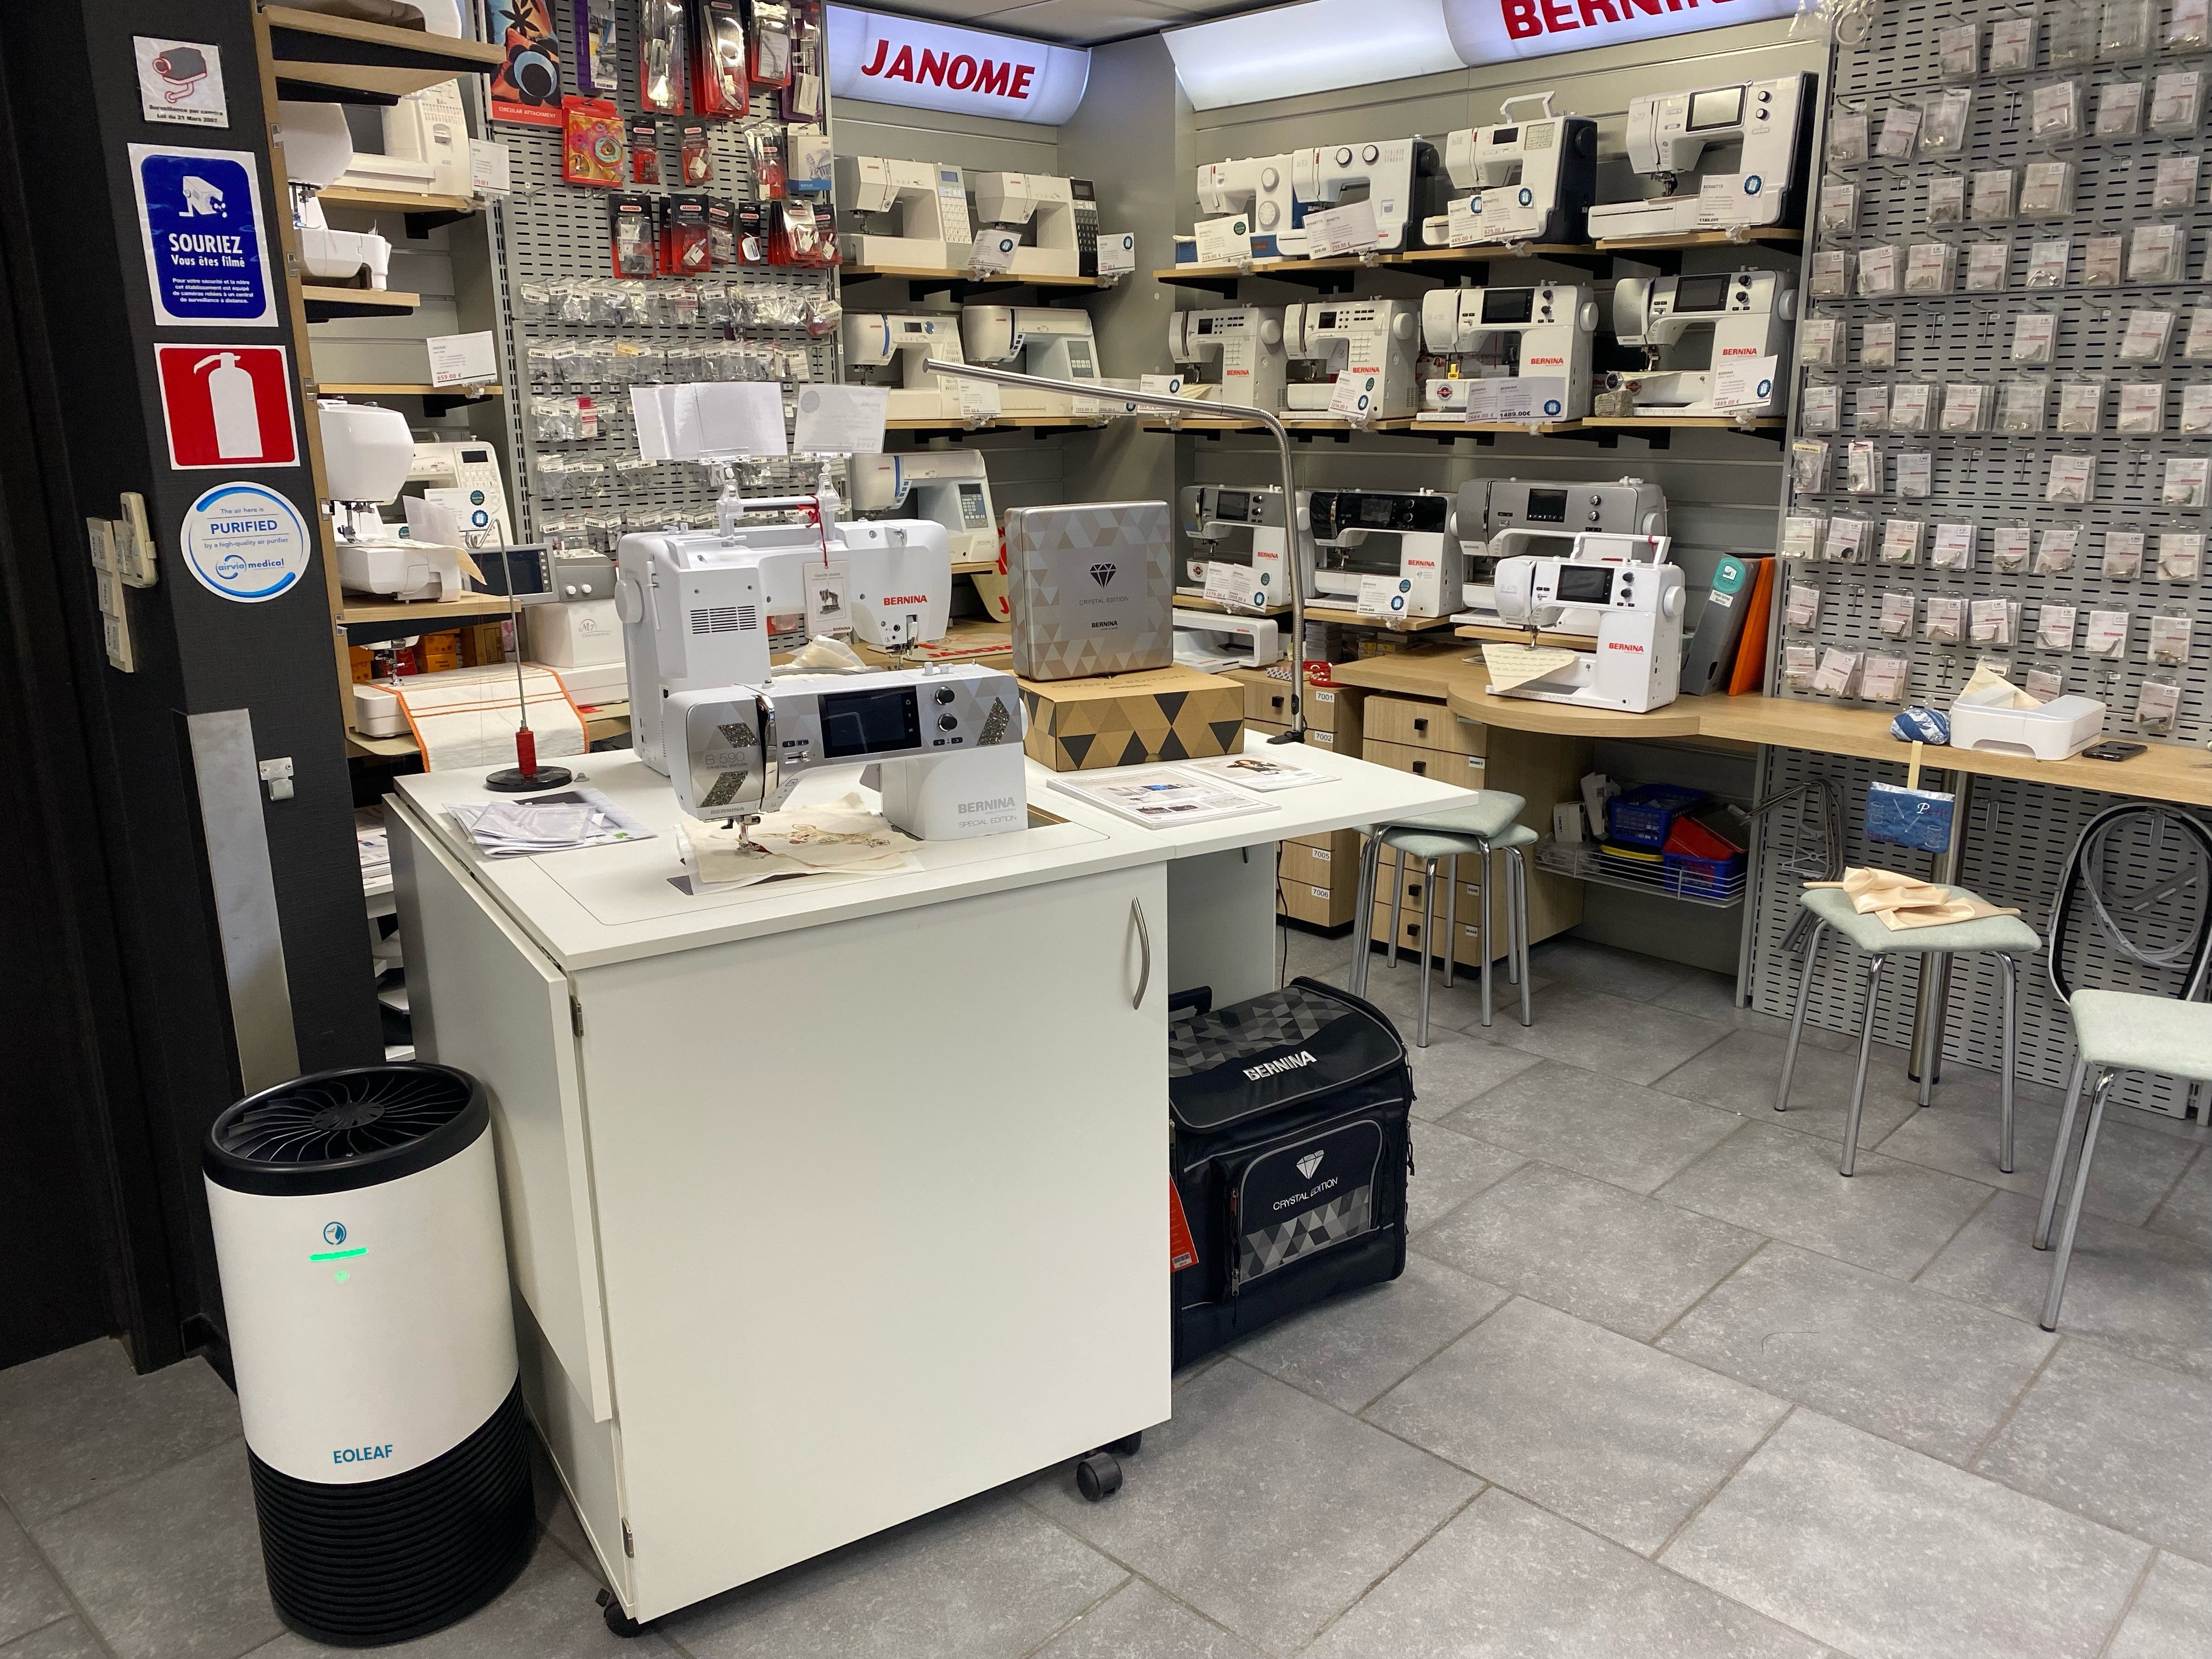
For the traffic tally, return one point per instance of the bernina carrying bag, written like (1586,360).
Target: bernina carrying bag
(1291,1156)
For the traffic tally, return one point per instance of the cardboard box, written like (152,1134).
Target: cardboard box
(1126,719)
(986,644)
(1320,907)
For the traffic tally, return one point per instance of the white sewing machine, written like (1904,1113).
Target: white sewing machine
(880,340)
(1045,207)
(1500,518)
(367,453)
(425,147)
(1382,553)
(1259,187)
(318,152)
(1037,340)
(947,486)
(1767,123)
(1387,176)
(1246,341)
(1691,329)
(1212,640)
(928,203)
(948,740)
(1533,182)
(1213,513)
(1514,354)
(1327,338)
(464,477)
(1636,665)
(697,606)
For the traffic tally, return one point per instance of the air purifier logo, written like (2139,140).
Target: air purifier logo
(335,1233)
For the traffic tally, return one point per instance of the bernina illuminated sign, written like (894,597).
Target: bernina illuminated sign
(1497,31)
(901,60)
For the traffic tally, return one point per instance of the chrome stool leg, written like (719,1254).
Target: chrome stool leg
(1939,965)
(1797,1019)
(1451,916)
(2050,1319)
(1397,901)
(2011,971)
(2041,1237)
(1363,925)
(1866,1050)
(1427,943)
(1488,859)
(1516,901)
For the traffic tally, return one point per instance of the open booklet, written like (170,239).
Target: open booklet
(1253,770)
(1162,799)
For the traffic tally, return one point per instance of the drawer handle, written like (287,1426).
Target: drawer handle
(1421,768)
(1421,726)
(1145,942)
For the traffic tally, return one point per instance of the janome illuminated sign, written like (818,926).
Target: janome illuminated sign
(1494,31)
(900,60)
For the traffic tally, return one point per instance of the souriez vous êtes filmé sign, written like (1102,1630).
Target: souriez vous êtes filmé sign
(1497,31)
(901,60)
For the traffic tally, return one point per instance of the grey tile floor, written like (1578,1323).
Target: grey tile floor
(1657,1383)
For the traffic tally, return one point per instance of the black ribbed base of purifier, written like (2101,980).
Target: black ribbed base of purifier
(387,1561)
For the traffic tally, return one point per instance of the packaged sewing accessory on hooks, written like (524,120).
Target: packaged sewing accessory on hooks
(644,150)
(695,155)
(596,73)
(686,246)
(771,64)
(718,58)
(660,50)
(765,146)
(2012,45)
(591,143)
(631,235)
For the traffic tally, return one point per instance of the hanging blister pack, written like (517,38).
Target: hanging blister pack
(1803,611)
(1862,468)
(2054,626)
(1821,342)
(2141,412)
(1839,212)
(2158,705)
(2125,30)
(1946,202)
(2197,348)
(1900,541)
(2072,479)
(1881,271)
(2046,262)
(771,59)
(2183,483)
(1910,403)
(1798,662)
(1947,121)
(1915,474)
(2012,45)
(2180,555)
(1820,408)
(2177,101)
(2026,397)
(2124,551)
(1847,540)
(1802,533)
(718,59)
(2169,639)
(2119,110)
(1958,50)
(660,50)
(2009,548)
(1987,263)
(2144,337)
(1943,619)
(2104,261)
(1965,406)
(2055,553)
(2106,638)
(2196,407)
(1929,266)
(2034,339)
(1953,548)
(1808,465)
(2186,30)
(1870,409)
(1896,619)
(2173,186)
(2154,252)
(1828,274)
(1878,344)
(2081,405)
(1897,134)
(1992,195)
(1990,622)
(2054,112)
(1884,679)
(1848,144)
(1839,668)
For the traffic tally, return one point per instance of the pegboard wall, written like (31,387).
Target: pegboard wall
(550,244)
(2017,836)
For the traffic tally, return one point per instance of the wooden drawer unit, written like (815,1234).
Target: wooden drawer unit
(1267,701)
(1446,766)
(1331,860)
(1322,906)
(1423,725)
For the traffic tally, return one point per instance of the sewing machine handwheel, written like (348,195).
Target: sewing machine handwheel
(1098,1477)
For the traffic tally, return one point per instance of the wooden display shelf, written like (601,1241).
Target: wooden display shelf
(326,304)
(424,214)
(1437,427)
(973,567)
(1487,253)
(1498,634)
(407,389)
(1350,617)
(1687,423)
(370,614)
(1677,240)
(1198,602)
(927,273)
(328,59)
(601,721)
(1292,423)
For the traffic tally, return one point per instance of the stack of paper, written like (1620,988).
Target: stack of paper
(546,824)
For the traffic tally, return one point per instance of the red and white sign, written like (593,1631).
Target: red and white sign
(901,60)
(1497,31)
(227,405)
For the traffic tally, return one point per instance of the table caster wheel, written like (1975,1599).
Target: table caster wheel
(1098,1477)
(1129,1445)
(617,1621)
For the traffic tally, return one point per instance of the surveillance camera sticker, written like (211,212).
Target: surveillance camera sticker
(199,221)
(180,83)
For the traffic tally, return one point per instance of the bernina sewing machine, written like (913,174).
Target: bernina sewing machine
(1692,328)
(1383,552)
(947,486)
(698,606)
(1259,187)
(1329,338)
(1533,182)
(1036,340)
(1213,513)
(948,740)
(880,340)
(928,204)
(1636,665)
(1513,353)
(1246,341)
(1045,206)
(1498,518)
(1769,123)
(1390,175)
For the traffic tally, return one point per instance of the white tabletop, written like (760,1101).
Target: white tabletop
(615,903)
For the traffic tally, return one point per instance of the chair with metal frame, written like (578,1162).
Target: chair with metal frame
(2006,938)
(2167,1034)
(1484,826)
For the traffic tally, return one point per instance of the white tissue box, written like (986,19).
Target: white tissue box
(2061,728)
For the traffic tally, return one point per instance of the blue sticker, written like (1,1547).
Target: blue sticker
(1752,183)
(244,542)
(199,218)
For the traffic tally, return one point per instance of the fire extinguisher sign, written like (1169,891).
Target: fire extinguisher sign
(227,405)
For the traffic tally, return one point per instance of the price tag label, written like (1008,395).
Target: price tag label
(993,251)
(1745,384)
(1464,222)
(1223,241)
(1382,598)
(1117,253)
(1234,584)
(1720,200)
(979,399)
(1348,229)
(1352,396)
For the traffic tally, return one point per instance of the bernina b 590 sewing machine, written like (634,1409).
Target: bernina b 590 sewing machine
(1212,513)
(1636,664)
(1692,330)
(1532,182)
(1330,337)
(1514,354)
(1402,541)
(948,740)
(1500,518)
(1669,134)
(1246,341)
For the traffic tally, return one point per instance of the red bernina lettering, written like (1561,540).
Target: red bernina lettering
(1558,18)
(1520,18)
(1596,11)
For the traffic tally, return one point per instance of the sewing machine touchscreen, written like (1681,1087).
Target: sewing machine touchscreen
(1723,107)
(1547,506)
(1375,510)
(1508,304)
(1700,293)
(869,722)
(1581,584)
(1233,505)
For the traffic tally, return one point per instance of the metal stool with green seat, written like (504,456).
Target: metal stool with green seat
(1483,826)
(2169,1033)
(2007,938)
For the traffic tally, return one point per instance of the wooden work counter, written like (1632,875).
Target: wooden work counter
(2180,773)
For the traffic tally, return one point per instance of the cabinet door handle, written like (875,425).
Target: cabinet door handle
(1421,726)
(1421,769)
(1144,945)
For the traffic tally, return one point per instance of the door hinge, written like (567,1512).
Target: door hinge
(576,1015)
(630,1544)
